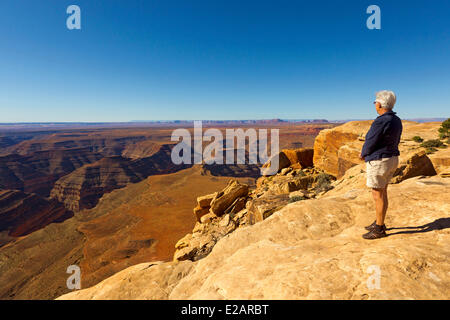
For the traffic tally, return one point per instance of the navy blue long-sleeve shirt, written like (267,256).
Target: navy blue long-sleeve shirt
(383,137)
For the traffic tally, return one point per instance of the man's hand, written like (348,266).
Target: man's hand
(361,157)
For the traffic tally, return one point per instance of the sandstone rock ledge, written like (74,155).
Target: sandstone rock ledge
(312,249)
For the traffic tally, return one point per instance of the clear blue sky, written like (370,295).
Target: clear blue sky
(214,59)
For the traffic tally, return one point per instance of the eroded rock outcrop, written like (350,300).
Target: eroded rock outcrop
(227,197)
(329,141)
(336,150)
(217,215)
(290,180)
(297,158)
(203,205)
(300,158)
(441,161)
(221,213)
(418,165)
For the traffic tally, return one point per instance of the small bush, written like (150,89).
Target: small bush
(323,182)
(417,139)
(444,129)
(436,143)
(296,198)
(430,150)
(301,173)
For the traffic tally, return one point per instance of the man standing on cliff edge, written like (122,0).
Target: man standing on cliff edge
(380,152)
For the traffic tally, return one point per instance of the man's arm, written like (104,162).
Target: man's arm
(372,137)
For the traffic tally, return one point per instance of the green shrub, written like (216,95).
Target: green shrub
(431,145)
(444,129)
(323,182)
(417,139)
(301,173)
(296,198)
(436,143)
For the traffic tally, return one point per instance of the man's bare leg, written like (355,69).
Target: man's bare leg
(385,203)
(381,204)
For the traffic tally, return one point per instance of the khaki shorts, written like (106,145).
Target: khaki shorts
(380,172)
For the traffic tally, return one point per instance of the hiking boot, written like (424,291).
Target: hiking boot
(372,226)
(376,233)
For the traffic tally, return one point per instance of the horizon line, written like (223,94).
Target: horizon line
(209,120)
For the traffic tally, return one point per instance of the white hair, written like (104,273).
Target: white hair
(386,98)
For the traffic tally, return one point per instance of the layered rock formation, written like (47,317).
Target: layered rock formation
(37,173)
(141,149)
(21,213)
(105,142)
(83,188)
(33,161)
(37,160)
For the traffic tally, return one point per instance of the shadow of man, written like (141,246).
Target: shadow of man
(438,224)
